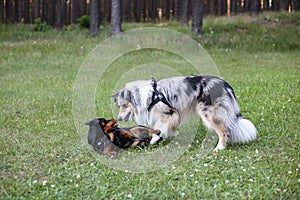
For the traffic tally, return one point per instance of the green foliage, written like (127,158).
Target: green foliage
(267,32)
(41,156)
(84,21)
(39,25)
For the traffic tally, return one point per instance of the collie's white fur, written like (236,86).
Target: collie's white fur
(210,97)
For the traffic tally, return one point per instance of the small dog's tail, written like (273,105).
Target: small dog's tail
(244,131)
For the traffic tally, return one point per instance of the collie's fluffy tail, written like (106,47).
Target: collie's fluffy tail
(244,132)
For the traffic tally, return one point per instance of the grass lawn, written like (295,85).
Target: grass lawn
(41,153)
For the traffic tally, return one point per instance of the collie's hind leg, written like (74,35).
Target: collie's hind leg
(223,136)
(215,122)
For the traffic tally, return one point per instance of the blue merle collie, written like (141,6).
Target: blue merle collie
(166,103)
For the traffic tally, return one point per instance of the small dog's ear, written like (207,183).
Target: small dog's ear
(94,132)
(92,122)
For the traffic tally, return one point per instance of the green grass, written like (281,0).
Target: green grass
(41,156)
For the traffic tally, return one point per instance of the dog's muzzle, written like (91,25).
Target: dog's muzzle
(126,118)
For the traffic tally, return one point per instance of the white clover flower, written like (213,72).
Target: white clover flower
(34,181)
(44,182)
(129,196)
(78,176)
(52,185)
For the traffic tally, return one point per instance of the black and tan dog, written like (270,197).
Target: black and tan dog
(106,137)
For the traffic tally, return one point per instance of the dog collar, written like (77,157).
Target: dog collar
(157,96)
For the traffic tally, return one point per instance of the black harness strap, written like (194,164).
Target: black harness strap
(157,97)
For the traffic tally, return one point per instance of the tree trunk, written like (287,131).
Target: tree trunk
(37,8)
(17,10)
(275,5)
(100,14)
(197,21)
(59,14)
(51,12)
(184,11)
(223,7)
(137,10)
(81,4)
(74,11)
(7,10)
(126,11)
(94,12)
(64,12)
(287,4)
(297,5)
(233,7)
(1,11)
(247,5)
(107,9)
(168,9)
(206,7)
(26,11)
(177,10)
(266,5)
(44,10)
(115,23)
(153,10)
(84,7)
(255,6)
(145,8)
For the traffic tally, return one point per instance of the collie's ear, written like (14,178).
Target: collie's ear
(135,97)
(115,97)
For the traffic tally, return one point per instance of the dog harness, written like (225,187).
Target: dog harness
(157,97)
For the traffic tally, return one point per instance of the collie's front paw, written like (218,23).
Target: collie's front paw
(154,139)
(219,148)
